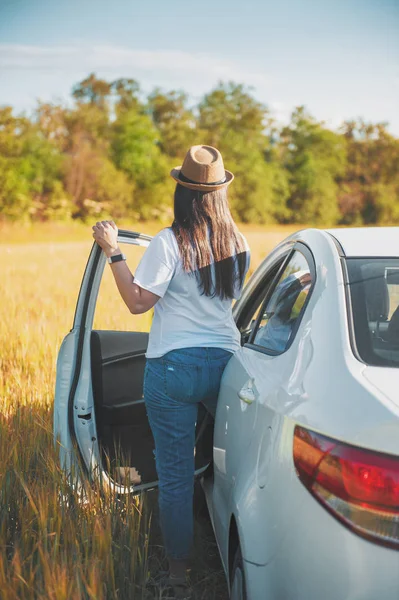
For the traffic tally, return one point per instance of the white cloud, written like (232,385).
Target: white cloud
(28,72)
(199,70)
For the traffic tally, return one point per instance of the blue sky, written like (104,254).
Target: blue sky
(340,58)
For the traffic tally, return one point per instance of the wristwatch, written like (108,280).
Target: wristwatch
(116,258)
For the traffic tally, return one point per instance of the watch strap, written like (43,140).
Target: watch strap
(116,258)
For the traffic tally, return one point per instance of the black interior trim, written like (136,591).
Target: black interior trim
(123,430)
(85,417)
(120,357)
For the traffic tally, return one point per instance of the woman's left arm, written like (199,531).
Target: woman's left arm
(136,298)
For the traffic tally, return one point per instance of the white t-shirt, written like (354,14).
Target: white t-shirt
(183,317)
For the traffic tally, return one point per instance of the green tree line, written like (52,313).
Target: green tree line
(110,152)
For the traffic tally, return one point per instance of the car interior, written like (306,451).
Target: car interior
(248,318)
(380,290)
(117,370)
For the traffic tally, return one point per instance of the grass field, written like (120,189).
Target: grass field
(53,550)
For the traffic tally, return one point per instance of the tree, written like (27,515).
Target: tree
(51,120)
(97,187)
(92,91)
(314,158)
(110,153)
(136,152)
(126,93)
(30,170)
(369,189)
(231,120)
(230,107)
(175,122)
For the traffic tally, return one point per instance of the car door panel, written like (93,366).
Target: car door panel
(64,375)
(238,400)
(259,387)
(234,424)
(117,369)
(100,421)
(259,474)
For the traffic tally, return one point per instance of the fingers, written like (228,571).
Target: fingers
(104,223)
(110,224)
(100,226)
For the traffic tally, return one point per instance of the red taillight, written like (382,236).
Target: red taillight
(360,487)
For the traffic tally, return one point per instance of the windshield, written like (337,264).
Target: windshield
(374,292)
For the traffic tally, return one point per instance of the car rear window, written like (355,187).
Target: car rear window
(374,294)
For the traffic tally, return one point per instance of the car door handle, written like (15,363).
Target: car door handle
(247,392)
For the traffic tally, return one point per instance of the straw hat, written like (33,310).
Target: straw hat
(203,170)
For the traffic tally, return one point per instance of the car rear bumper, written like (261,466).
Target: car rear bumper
(319,558)
(356,582)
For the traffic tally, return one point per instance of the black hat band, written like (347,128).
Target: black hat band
(187,180)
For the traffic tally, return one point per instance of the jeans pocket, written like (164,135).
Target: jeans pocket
(215,377)
(181,383)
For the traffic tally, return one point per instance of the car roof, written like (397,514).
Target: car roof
(368,241)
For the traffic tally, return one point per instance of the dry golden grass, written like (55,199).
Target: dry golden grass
(51,549)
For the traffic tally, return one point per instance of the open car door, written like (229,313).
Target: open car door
(100,421)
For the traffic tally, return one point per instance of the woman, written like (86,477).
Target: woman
(190,274)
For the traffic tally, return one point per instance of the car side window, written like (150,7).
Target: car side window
(254,305)
(283,306)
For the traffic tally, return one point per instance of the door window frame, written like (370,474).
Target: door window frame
(308,255)
(251,298)
(94,269)
(83,321)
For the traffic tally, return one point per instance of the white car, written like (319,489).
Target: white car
(304,490)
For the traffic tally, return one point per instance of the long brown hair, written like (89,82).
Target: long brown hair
(206,234)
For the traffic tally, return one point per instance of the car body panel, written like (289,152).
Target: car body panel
(317,383)
(64,373)
(234,425)
(384,380)
(373,241)
(315,560)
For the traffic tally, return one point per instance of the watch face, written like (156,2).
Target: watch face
(117,258)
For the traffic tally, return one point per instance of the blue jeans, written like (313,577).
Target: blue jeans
(174,384)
